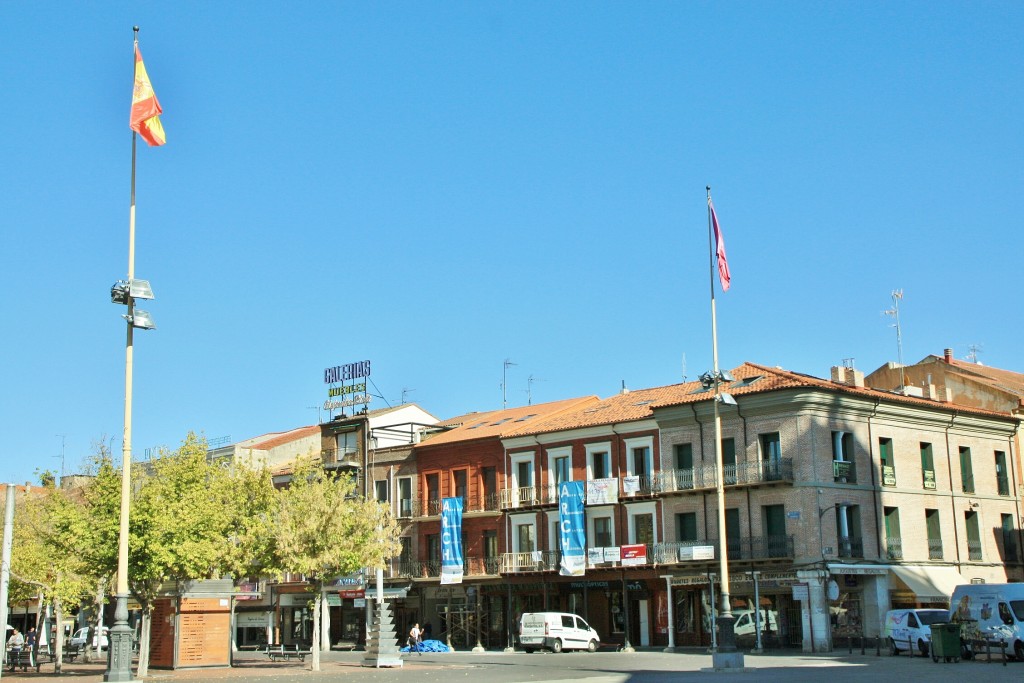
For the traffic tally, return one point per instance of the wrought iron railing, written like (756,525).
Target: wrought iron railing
(934,548)
(850,546)
(894,548)
(974,551)
(534,561)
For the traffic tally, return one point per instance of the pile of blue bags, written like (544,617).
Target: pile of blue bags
(429,646)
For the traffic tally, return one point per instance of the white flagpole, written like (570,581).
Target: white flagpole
(725,613)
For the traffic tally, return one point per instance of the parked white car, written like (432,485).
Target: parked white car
(82,635)
(906,628)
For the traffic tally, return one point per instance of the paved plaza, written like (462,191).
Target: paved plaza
(601,667)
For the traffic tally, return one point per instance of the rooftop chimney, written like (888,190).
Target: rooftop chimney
(948,355)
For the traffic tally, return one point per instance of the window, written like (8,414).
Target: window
(433,494)
(732,533)
(1009,538)
(643,528)
(490,544)
(966,470)
(888,462)
(524,536)
(459,479)
(599,461)
(1002,480)
(927,466)
(773,522)
(434,553)
(893,540)
(601,532)
(405,497)
(686,526)
(848,531)
(729,460)
(683,460)
(973,536)
(640,462)
(380,489)
(554,531)
(771,456)
(843,469)
(522,479)
(489,478)
(559,470)
(405,554)
(931,520)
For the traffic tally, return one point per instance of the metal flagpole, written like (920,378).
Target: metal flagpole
(726,639)
(119,662)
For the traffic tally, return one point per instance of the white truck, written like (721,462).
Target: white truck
(991,611)
(556,631)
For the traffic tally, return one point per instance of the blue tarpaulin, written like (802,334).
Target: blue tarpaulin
(429,646)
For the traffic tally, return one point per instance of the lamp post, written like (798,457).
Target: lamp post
(119,656)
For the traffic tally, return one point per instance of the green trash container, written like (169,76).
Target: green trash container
(945,642)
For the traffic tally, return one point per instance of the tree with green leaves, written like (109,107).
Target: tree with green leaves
(324,530)
(43,562)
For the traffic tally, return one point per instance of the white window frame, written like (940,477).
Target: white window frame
(641,442)
(398,494)
(387,490)
(552,519)
(516,459)
(554,454)
(593,449)
(635,509)
(517,521)
(600,512)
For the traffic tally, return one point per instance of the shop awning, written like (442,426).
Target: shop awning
(929,584)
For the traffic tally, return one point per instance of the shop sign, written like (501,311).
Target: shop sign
(801,592)
(351,594)
(634,555)
(611,554)
(696,552)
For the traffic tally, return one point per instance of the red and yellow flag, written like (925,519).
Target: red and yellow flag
(146,110)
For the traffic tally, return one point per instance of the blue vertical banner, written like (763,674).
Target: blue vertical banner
(451,540)
(572,528)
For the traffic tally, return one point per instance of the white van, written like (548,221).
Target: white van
(744,625)
(907,628)
(556,631)
(994,610)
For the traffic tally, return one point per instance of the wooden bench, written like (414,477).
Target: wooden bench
(23,658)
(282,653)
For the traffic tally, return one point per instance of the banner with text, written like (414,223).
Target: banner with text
(572,528)
(451,540)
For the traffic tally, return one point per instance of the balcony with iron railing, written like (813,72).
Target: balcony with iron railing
(340,457)
(739,474)
(850,546)
(974,551)
(934,548)
(667,481)
(471,566)
(532,561)
(894,548)
(431,507)
(742,548)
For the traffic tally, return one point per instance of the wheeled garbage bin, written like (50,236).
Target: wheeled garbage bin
(946,642)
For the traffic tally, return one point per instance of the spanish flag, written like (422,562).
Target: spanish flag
(146,109)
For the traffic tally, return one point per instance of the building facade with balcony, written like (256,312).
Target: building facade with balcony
(842,501)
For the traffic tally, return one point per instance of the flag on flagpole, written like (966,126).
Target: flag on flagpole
(146,110)
(723,265)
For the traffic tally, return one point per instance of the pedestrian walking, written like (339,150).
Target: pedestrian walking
(415,638)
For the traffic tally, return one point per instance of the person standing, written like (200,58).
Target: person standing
(415,637)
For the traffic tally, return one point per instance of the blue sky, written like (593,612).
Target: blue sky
(437,187)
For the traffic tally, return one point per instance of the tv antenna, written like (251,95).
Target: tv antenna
(897,296)
(504,383)
(529,388)
(63,439)
(406,392)
(684,367)
(972,353)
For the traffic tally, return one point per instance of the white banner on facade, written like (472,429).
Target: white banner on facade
(631,485)
(602,491)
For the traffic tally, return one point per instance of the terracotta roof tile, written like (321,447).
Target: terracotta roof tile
(499,423)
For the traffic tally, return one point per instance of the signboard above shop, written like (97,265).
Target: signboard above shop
(344,388)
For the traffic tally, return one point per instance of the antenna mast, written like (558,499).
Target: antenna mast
(897,295)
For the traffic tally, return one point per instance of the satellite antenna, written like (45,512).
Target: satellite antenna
(897,295)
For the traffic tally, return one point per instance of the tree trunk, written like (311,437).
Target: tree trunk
(315,649)
(58,648)
(143,670)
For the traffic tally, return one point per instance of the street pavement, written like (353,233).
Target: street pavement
(601,667)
